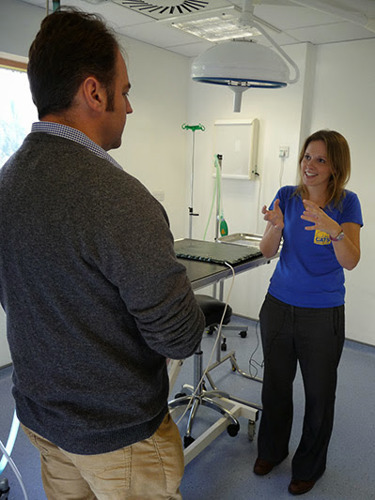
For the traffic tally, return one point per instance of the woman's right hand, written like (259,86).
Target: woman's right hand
(274,216)
(270,242)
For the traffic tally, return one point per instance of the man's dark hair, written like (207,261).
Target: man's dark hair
(70,46)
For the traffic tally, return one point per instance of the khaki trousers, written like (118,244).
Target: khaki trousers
(149,469)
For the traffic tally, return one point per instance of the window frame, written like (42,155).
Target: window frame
(9,63)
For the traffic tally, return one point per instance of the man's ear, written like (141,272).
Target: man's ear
(94,94)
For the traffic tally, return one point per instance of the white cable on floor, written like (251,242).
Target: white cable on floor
(15,470)
(11,440)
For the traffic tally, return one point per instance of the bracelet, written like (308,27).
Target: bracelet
(339,237)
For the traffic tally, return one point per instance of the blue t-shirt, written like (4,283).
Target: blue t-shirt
(308,273)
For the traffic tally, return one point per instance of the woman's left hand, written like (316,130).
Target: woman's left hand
(347,249)
(321,221)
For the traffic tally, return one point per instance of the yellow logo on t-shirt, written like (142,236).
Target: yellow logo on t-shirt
(321,238)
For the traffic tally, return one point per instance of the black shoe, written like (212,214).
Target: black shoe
(297,487)
(263,467)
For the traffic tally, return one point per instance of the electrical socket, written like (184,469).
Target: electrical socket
(283,151)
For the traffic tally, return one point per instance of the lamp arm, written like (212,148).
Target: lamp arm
(247,18)
(280,50)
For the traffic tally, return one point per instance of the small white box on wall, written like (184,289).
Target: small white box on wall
(237,142)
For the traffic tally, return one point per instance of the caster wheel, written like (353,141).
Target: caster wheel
(223,346)
(210,330)
(188,440)
(4,489)
(243,334)
(251,430)
(180,395)
(233,368)
(233,429)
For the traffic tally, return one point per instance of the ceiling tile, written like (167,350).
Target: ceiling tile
(336,32)
(286,18)
(191,49)
(157,34)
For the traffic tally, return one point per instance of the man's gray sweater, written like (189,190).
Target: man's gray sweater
(94,296)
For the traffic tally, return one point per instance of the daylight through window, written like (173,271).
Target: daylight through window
(17,111)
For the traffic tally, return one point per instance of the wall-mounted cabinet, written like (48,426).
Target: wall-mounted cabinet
(237,142)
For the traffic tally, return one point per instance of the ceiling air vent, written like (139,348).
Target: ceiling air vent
(163,9)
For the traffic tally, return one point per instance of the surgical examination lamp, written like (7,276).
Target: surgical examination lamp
(243,64)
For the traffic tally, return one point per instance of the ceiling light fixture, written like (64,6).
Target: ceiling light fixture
(244,64)
(214,25)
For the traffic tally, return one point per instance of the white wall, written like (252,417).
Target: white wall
(19,23)
(154,144)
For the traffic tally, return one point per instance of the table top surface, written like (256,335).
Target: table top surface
(203,273)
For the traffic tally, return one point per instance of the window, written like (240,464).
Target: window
(17,110)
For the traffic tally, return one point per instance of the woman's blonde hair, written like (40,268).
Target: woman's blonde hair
(338,155)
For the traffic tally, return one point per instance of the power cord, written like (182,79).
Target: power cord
(253,364)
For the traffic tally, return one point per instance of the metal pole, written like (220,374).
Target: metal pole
(192,214)
(191,209)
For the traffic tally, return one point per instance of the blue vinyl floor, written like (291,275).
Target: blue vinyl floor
(223,470)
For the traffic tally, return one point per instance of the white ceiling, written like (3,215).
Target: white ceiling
(315,21)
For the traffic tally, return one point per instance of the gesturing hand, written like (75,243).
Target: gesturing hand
(275,216)
(321,221)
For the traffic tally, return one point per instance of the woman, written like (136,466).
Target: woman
(302,317)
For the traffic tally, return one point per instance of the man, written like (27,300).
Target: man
(94,296)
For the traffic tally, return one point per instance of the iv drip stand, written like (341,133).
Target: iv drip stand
(192,214)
